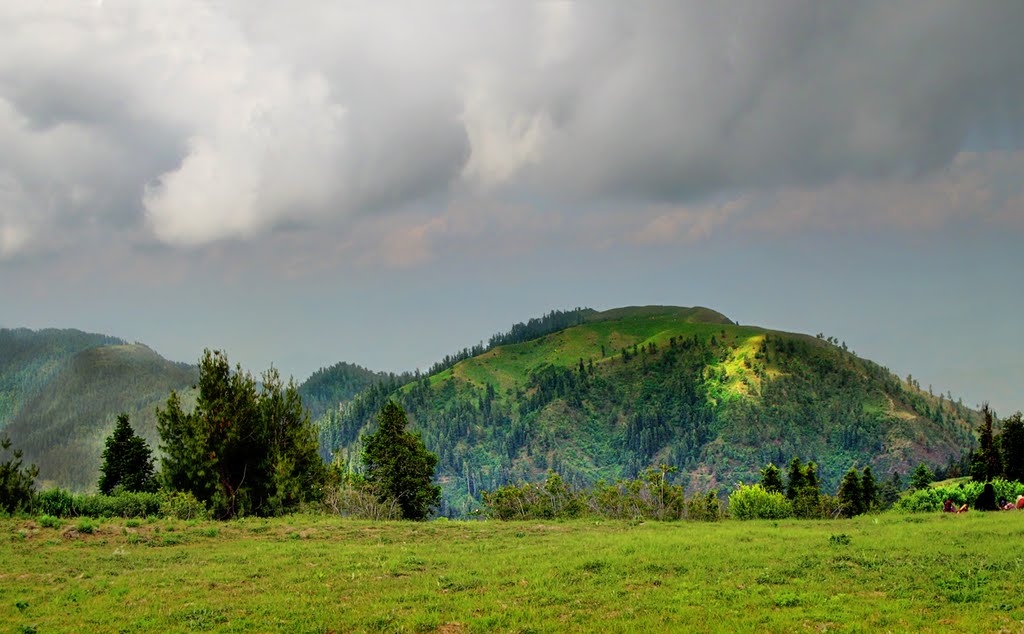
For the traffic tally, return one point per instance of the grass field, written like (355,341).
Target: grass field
(321,574)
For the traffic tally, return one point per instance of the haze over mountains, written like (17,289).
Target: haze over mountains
(593,395)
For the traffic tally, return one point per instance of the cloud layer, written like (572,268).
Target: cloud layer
(195,122)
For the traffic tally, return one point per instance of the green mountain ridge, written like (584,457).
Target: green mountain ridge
(635,387)
(62,427)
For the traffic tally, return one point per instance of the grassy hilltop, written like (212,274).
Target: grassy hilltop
(618,391)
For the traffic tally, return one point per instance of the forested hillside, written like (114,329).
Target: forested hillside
(30,358)
(61,428)
(626,389)
(329,388)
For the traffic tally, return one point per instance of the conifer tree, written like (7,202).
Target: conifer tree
(868,489)
(398,466)
(16,481)
(1011,444)
(795,479)
(921,477)
(127,461)
(771,479)
(850,493)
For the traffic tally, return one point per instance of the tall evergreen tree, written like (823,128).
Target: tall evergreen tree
(986,463)
(399,467)
(868,489)
(127,461)
(16,480)
(242,450)
(1011,445)
(771,479)
(851,494)
(795,478)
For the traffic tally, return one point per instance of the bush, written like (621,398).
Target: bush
(56,502)
(351,496)
(60,503)
(553,499)
(49,521)
(182,505)
(754,502)
(86,525)
(930,500)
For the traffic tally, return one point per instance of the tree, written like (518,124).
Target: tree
(127,461)
(921,477)
(868,489)
(241,450)
(986,463)
(795,479)
(1011,441)
(851,494)
(771,479)
(398,466)
(16,481)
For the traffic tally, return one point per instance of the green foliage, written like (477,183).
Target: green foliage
(1011,442)
(16,481)
(61,503)
(182,505)
(86,526)
(49,521)
(869,489)
(931,499)
(327,388)
(771,479)
(241,451)
(851,494)
(754,502)
(986,463)
(127,461)
(552,499)
(398,466)
(921,477)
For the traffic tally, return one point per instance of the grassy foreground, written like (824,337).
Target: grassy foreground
(321,574)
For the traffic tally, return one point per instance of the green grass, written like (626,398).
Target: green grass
(894,572)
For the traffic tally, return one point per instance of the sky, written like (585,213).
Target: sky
(384,183)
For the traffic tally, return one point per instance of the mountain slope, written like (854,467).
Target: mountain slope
(63,426)
(30,358)
(635,387)
(332,387)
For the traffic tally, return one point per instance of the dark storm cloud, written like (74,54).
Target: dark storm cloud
(193,122)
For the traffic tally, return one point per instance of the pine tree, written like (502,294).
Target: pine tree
(986,463)
(127,461)
(16,481)
(868,489)
(771,479)
(795,479)
(242,450)
(850,493)
(921,477)
(398,466)
(1011,441)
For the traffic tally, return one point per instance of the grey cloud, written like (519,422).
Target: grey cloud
(198,122)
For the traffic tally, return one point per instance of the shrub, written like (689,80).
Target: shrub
(754,502)
(930,499)
(49,521)
(56,502)
(86,525)
(182,505)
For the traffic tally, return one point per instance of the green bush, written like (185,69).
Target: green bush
(754,502)
(930,500)
(86,525)
(60,503)
(56,502)
(182,505)
(49,521)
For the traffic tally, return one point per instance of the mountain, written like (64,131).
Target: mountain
(618,391)
(74,403)
(30,358)
(333,387)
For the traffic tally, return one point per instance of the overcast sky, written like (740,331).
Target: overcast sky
(383,183)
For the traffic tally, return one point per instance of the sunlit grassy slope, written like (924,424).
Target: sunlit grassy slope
(636,387)
(316,574)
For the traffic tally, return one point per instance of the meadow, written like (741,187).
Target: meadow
(889,572)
